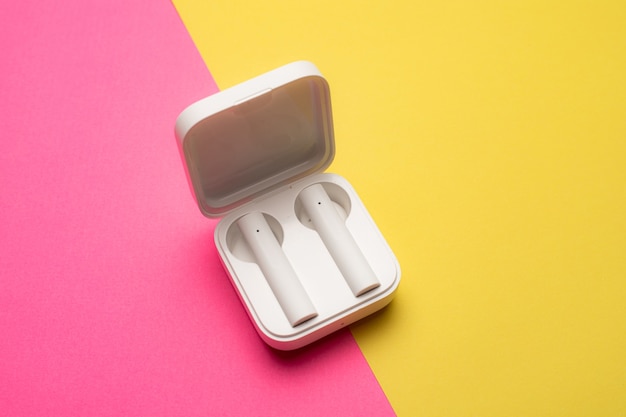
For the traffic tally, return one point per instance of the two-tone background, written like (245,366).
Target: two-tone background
(487,139)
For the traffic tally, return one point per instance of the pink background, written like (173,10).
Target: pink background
(112,299)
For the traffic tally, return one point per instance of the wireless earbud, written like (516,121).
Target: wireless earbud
(338,240)
(276,268)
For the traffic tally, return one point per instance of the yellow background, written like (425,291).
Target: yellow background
(488,141)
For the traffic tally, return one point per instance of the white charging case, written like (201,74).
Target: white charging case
(254,147)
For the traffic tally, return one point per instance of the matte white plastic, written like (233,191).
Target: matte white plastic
(338,240)
(325,285)
(276,268)
(250,152)
(242,142)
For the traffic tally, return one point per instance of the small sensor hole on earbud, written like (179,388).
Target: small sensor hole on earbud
(339,199)
(238,245)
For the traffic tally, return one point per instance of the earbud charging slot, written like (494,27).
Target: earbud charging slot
(238,246)
(339,197)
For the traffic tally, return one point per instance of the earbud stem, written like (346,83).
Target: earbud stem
(276,268)
(338,240)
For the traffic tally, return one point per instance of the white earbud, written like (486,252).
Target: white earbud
(338,240)
(276,268)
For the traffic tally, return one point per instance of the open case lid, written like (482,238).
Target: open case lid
(256,136)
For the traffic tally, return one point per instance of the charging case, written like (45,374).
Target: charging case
(253,148)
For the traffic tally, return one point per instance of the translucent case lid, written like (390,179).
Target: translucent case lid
(249,139)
